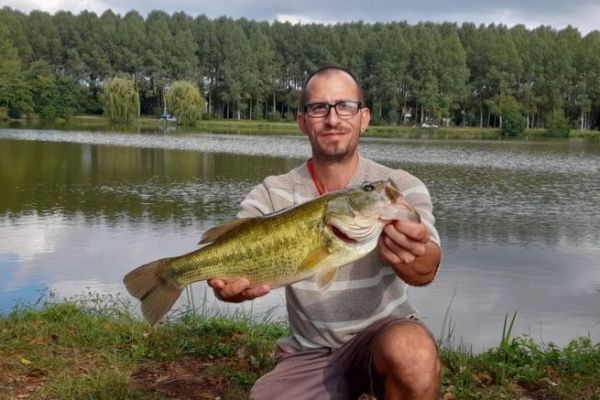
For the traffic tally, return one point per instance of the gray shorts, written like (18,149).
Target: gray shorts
(326,374)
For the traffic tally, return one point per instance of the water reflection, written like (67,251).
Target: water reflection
(519,221)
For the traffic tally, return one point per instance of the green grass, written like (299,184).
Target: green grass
(71,350)
(525,367)
(92,348)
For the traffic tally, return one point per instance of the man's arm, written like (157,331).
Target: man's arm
(406,247)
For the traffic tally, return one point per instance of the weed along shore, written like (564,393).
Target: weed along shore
(74,349)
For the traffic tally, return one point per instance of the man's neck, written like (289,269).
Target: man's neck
(334,176)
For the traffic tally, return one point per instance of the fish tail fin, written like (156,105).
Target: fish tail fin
(157,292)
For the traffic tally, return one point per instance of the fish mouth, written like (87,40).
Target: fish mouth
(340,234)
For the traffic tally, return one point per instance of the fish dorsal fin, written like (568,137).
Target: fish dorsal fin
(325,278)
(313,258)
(216,232)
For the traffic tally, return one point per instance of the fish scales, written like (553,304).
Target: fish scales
(262,251)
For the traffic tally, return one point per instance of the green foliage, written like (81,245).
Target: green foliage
(469,75)
(14,93)
(557,125)
(53,95)
(184,101)
(513,124)
(120,99)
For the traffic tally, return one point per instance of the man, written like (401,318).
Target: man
(360,335)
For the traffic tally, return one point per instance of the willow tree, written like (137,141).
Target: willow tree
(185,102)
(120,100)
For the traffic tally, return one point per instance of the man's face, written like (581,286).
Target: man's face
(333,138)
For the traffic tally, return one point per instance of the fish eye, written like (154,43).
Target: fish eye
(368,187)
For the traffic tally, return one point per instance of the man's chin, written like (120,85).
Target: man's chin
(333,156)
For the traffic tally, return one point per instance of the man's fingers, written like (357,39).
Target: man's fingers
(257,291)
(234,288)
(413,230)
(401,241)
(238,290)
(392,253)
(216,284)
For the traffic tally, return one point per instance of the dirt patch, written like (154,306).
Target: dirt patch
(540,394)
(21,384)
(183,379)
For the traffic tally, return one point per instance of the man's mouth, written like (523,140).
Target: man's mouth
(336,133)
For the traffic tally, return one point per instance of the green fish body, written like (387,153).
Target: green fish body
(314,238)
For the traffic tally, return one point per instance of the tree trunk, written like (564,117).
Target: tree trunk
(257,105)
(480,115)
(250,115)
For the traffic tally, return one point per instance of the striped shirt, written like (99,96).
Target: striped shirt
(363,292)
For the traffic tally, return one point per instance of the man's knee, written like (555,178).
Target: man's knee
(407,353)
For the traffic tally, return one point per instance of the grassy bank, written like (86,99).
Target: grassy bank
(71,350)
(149,124)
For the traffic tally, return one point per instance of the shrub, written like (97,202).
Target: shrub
(557,125)
(274,116)
(513,124)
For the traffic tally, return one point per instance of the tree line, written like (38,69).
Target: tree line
(467,75)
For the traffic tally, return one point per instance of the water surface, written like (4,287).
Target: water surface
(519,221)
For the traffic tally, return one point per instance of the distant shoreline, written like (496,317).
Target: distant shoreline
(265,127)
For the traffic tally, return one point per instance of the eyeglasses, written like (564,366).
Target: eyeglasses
(342,108)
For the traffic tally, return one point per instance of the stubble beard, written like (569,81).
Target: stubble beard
(336,155)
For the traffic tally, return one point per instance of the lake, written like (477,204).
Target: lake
(519,221)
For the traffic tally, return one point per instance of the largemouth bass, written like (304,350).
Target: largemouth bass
(314,238)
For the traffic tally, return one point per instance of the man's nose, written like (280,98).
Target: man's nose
(332,118)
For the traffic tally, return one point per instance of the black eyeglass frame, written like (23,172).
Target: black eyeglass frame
(335,105)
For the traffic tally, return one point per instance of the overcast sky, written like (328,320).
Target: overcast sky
(583,14)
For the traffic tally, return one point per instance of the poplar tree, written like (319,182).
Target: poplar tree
(15,97)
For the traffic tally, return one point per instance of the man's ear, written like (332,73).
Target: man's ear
(365,118)
(301,121)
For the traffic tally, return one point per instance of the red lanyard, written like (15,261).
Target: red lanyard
(311,172)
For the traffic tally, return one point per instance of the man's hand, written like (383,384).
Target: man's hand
(237,291)
(405,246)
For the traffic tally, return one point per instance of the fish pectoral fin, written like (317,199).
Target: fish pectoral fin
(325,278)
(313,258)
(216,232)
